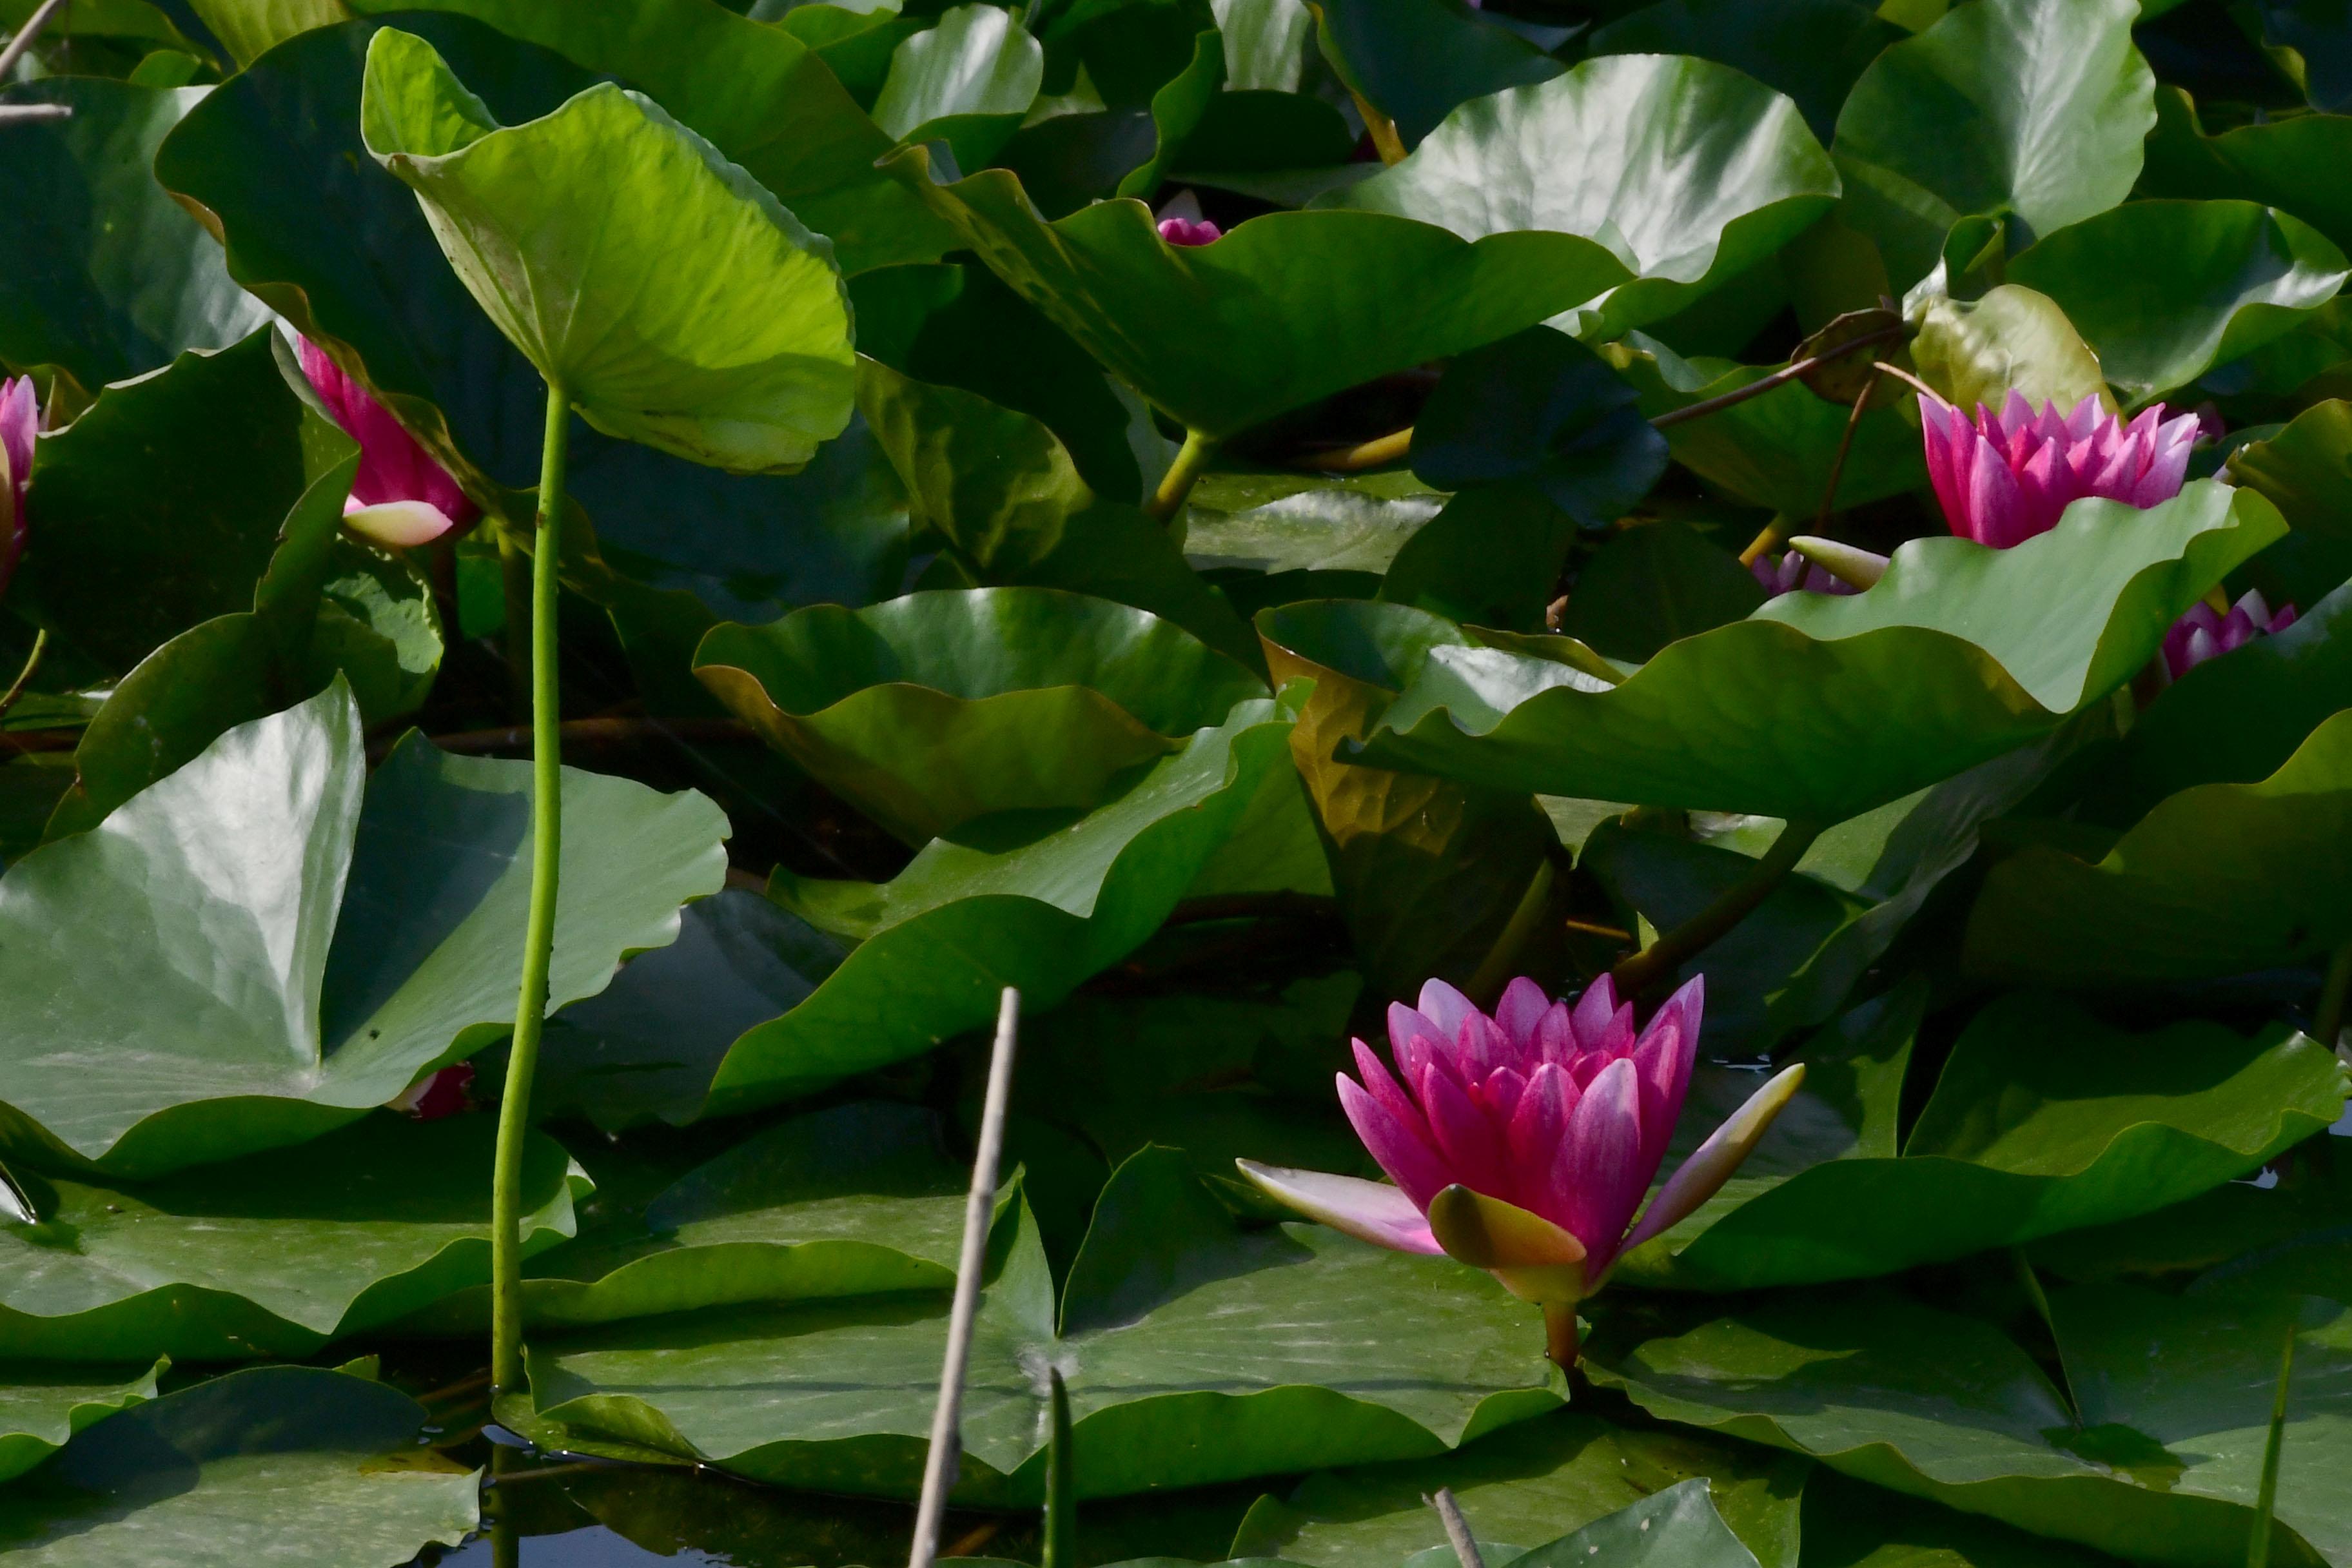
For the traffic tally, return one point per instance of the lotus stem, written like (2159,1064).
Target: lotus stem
(946,1422)
(1767,536)
(2328,1018)
(1559,1334)
(1191,459)
(1457,1529)
(24,675)
(2258,1545)
(539,927)
(1787,372)
(23,39)
(1837,464)
(1061,1545)
(1377,453)
(1659,961)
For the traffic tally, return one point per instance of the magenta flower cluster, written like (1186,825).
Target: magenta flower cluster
(2204,632)
(2006,477)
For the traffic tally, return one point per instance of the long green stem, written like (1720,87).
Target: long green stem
(2328,1019)
(24,675)
(1703,929)
(539,929)
(1177,483)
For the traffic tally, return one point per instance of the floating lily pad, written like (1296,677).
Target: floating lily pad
(1687,171)
(1193,1353)
(41,1407)
(287,1466)
(936,708)
(275,1254)
(2288,163)
(346,949)
(966,80)
(1414,60)
(2306,468)
(1820,708)
(1812,50)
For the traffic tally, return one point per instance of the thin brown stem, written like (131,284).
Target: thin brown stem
(25,34)
(1837,464)
(24,675)
(1377,453)
(1658,962)
(1457,1529)
(599,732)
(1758,387)
(1561,1333)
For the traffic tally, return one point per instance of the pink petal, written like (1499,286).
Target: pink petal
(1365,1210)
(1469,1142)
(398,524)
(1534,1136)
(1388,1094)
(393,465)
(1413,1165)
(1600,1177)
(1949,439)
(1993,512)
(1711,1164)
(1556,1036)
(1415,1039)
(1480,1049)
(1445,1008)
(20,421)
(1521,1013)
(1594,1012)
(2283,619)
(1663,1058)
(1498,1095)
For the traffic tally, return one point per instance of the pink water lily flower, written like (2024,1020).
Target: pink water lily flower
(2204,632)
(20,421)
(1189,231)
(401,496)
(436,1094)
(1523,1143)
(2007,477)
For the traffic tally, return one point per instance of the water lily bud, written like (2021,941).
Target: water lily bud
(20,421)
(2008,477)
(2204,633)
(400,497)
(1858,569)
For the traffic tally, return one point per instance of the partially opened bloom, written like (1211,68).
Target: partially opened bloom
(401,496)
(20,421)
(1523,1143)
(2204,631)
(1181,223)
(2005,477)
(436,1094)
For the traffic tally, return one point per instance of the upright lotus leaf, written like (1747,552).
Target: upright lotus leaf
(1812,50)
(967,80)
(2234,277)
(1287,309)
(246,1468)
(345,950)
(739,356)
(1435,876)
(107,278)
(2220,879)
(1039,902)
(1193,1351)
(760,93)
(1524,1484)
(2010,340)
(1819,708)
(1415,60)
(2030,110)
(275,1254)
(2288,162)
(1689,172)
(2306,468)
(938,708)
(1944,1407)
(41,1407)
(2043,1120)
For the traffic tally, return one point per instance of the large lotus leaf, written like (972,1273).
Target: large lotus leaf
(1653,585)
(2218,880)
(862,1199)
(742,361)
(1287,309)
(1820,707)
(2304,468)
(1193,1351)
(968,80)
(161,506)
(1939,1405)
(107,278)
(1435,876)
(2246,1225)
(935,708)
(1032,900)
(1276,523)
(2234,276)
(279,1467)
(1414,60)
(1777,448)
(2288,162)
(243,957)
(41,1407)
(1812,50)
(275,1254)
(761,95)
(1687,171)
(2031,109)
(1524,1484)
(2044,1120)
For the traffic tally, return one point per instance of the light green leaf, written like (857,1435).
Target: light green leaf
(744,362)
(1689,172)
(967,78)
(2031,109)
(41,1407)
(2013,340)
(2306,469)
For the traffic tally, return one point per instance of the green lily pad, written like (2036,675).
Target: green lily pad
(1820,708)
(1812,50)
(935,708)
(1297,522)
(1524,1484)
(2043,1120)
(2031,109)
(1414,60)
(41,1407)
(968,80)
(289,1465)
(2306,468)
(275,1254)
(1193,1351)
(2236,276)
(2287,161)
(1284,309)
(1939,1405)
(349,949)
(1653,585)
(2218,880)
(747,368)
(2009,339)
(106,277)
(1687,171)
